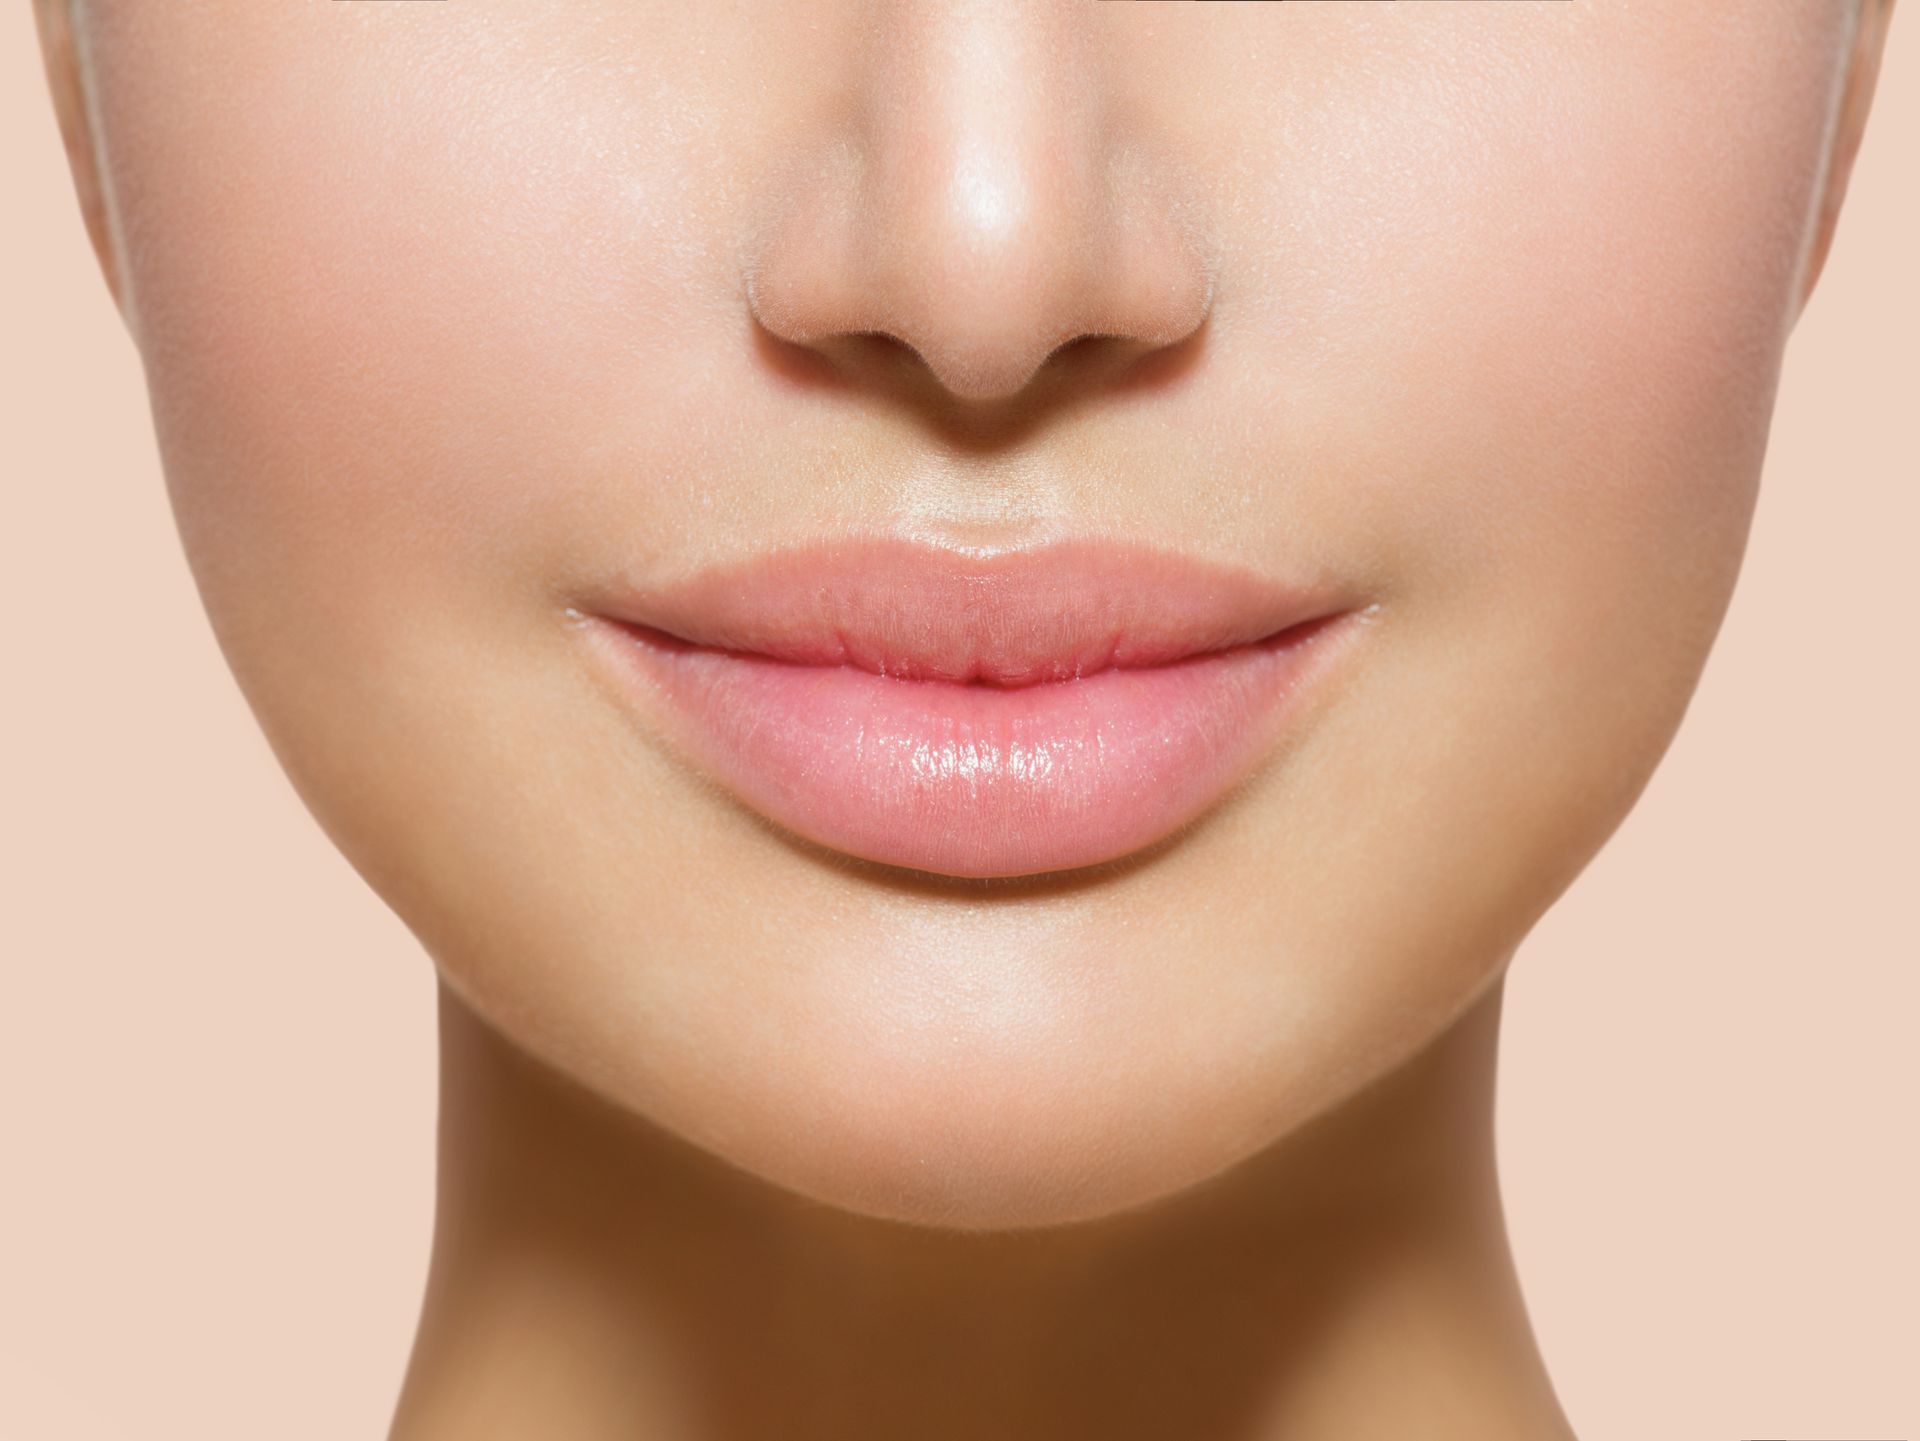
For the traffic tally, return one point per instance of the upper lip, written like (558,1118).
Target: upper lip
(908,608)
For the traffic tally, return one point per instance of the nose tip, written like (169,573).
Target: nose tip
(982,215)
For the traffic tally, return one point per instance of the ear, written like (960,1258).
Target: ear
(64,78)
(1863,69)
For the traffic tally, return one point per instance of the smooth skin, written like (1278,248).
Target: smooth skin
(451,310)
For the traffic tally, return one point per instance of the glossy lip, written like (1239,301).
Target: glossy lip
(972,714)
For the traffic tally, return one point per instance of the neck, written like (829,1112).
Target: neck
(595,1279)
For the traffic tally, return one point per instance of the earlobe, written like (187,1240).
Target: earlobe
(57,48)
(1863,70)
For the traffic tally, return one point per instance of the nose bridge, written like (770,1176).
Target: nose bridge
(983,187)
(981,212)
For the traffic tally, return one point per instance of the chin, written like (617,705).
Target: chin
(983,1158)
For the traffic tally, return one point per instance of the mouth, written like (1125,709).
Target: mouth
(977,715)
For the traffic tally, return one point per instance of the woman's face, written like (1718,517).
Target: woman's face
(470,324)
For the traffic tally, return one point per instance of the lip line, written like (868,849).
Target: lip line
(908,610)
(1294,634)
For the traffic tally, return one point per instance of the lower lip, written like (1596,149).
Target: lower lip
(977,780)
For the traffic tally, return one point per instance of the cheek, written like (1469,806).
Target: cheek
(404,322)
(1596,356)
(1545,323)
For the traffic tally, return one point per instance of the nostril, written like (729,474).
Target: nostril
(1087,349)
(881,342)
(881,349)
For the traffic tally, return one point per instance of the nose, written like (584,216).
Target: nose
(980,204)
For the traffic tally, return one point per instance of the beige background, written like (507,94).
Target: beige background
(216,1047)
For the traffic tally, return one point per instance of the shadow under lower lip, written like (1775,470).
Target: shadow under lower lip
(969,779)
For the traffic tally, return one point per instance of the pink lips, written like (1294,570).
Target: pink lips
(973,715)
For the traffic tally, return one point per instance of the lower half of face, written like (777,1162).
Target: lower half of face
(452,328)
